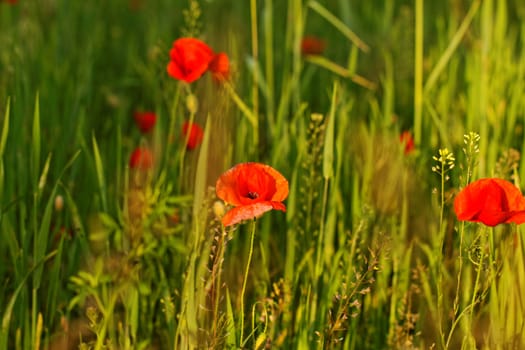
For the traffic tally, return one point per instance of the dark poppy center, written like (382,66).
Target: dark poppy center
(252,195)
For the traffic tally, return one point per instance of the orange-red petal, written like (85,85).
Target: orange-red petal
(190,59)
(145,120)
(407,141)
(281,184)
(490,201)
(196,134)
(220,67)
(270,185)
(249,212)
(141,158)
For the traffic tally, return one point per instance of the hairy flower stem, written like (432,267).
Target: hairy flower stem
(243,290)
(186,139)
(471,150)
(478,275)
(445,164)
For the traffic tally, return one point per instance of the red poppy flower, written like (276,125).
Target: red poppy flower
(311,45)
(253,189)
(220,67)
(145,120)
(190,59)
(490,201)
(196,134)
(12,2)
(407,140)
(141,158)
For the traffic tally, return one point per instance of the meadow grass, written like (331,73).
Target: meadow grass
(369,254)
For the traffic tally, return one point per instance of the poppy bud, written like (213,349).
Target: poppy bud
(218,209)
(192,104)
(59,203)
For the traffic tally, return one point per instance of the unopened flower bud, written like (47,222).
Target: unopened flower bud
(192,104)
(59,203)
(218,209)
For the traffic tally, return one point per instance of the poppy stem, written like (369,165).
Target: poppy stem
(243,290)
(186,139)
(171,126)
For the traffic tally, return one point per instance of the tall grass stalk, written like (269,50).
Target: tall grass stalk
(328,172)
(418,70)
(255,83)
(269,58)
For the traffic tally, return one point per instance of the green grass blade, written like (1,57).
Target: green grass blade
(6,319)
(200,177)
(418,71)
(36,138)
(5,128)
(339,25)
(454,43)
(328,150)
(230,321)
(339,70)
(99,167)
(42,238)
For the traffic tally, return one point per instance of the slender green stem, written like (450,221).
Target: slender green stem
(439,292)
(250,253)
(418,71)
(451,48)
(255,84)
(268,50)
(478,275)
(318,265)
(107,318)
(186,139)
(171,126)
(339,25)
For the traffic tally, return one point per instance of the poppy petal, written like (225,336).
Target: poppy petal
(235,180)
(189,59)
(225,187)
(145,121)
(281,184)
(220,67)
(246,212)
(278,206)
(515,199)
(517,218)
(490,201)
(175,71)
(253,189)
